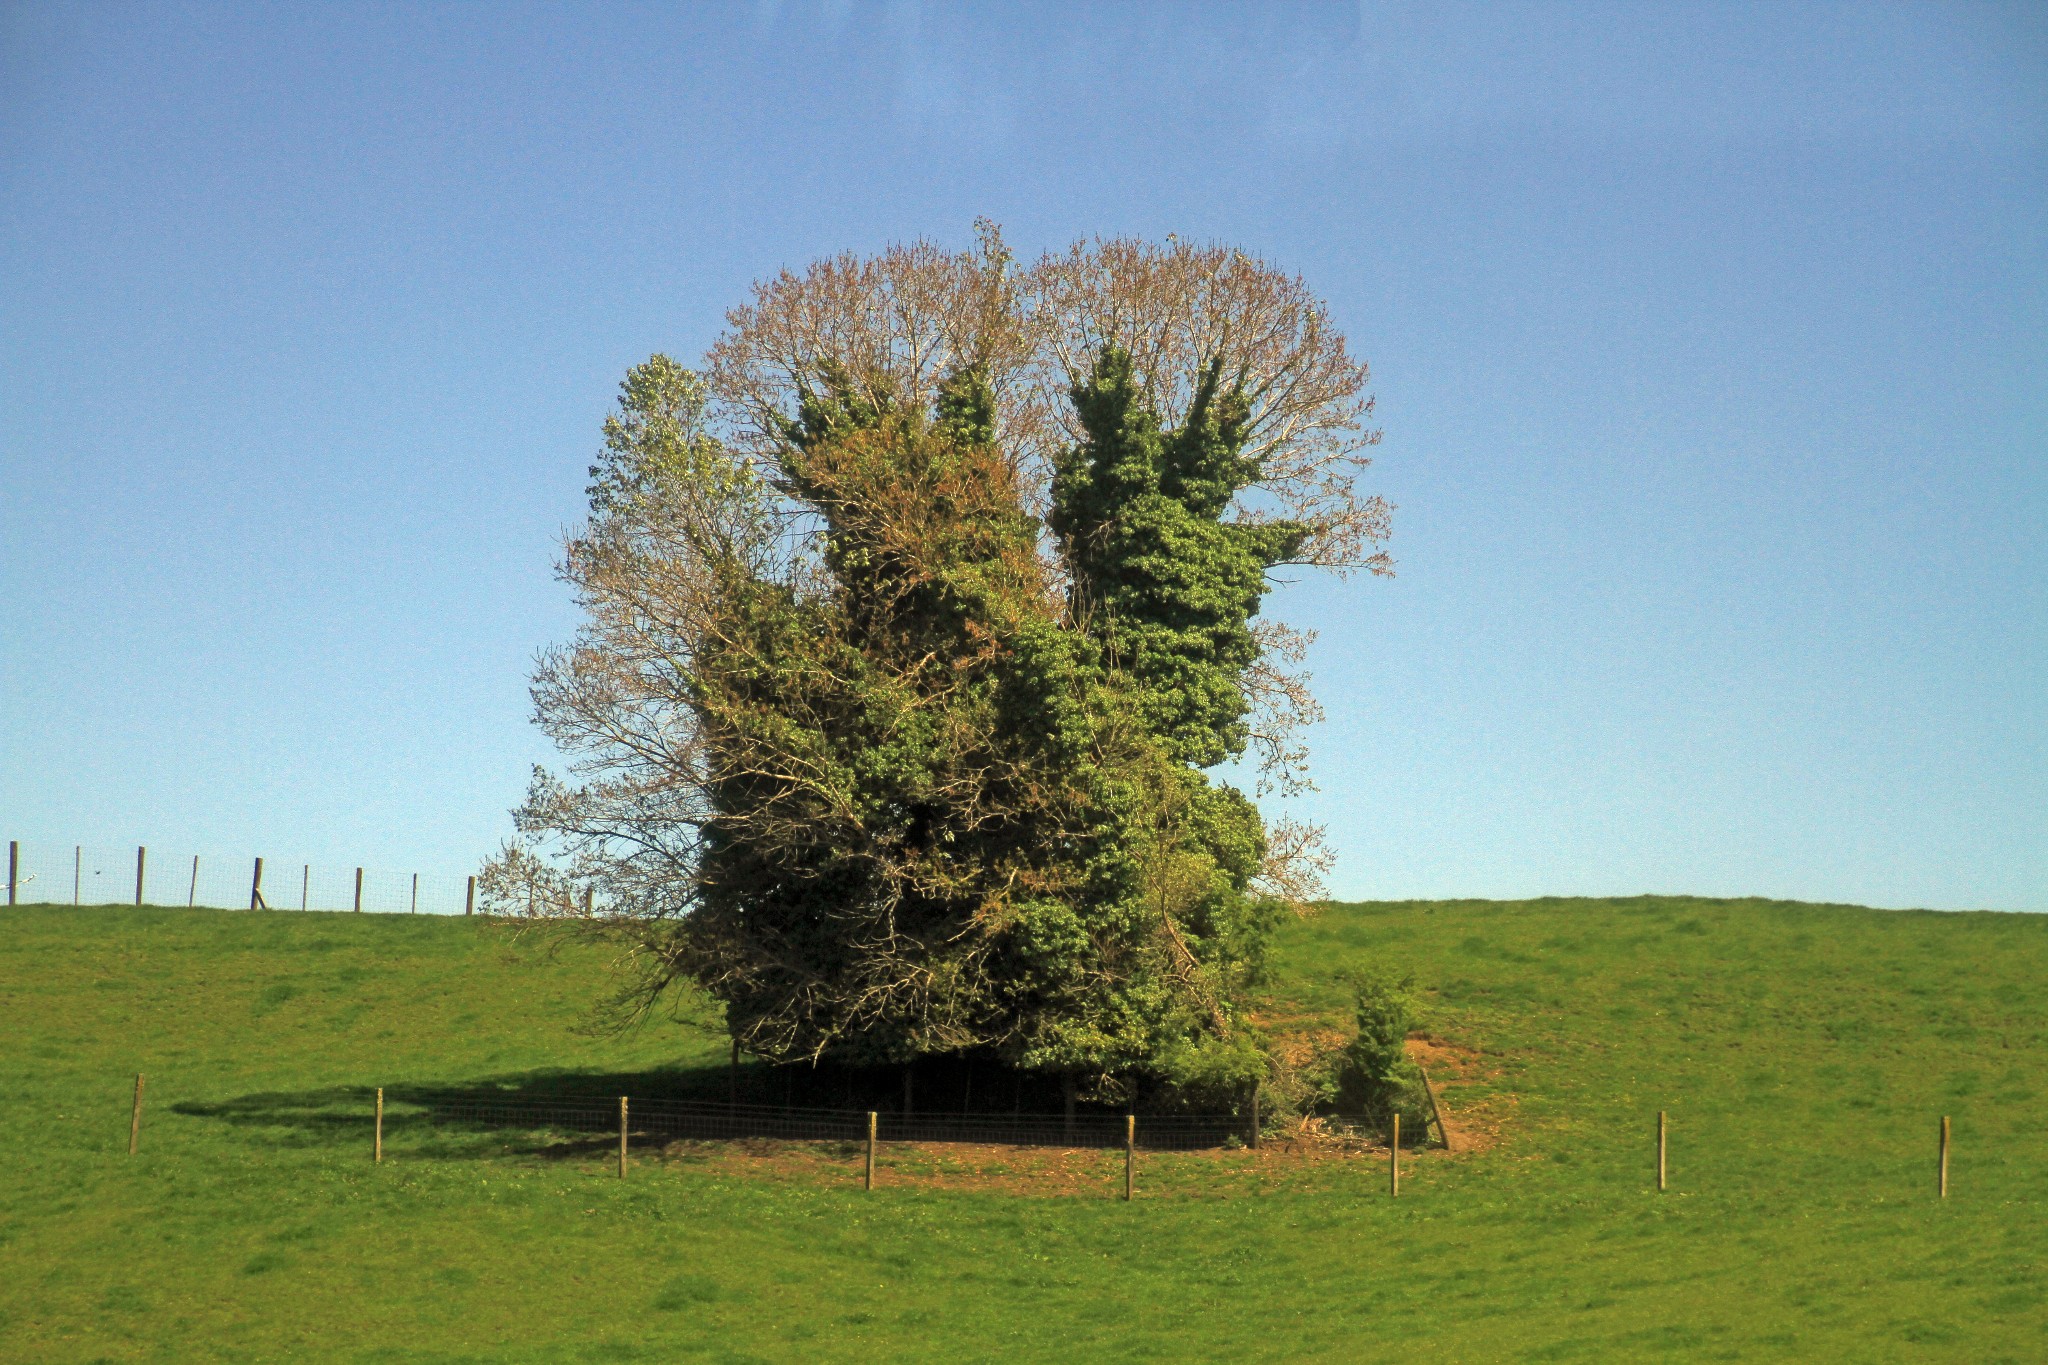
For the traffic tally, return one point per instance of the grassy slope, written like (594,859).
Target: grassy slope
(1805,1054)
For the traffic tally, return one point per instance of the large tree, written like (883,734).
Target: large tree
(914,628)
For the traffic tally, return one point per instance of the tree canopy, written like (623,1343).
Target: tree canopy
(914,627)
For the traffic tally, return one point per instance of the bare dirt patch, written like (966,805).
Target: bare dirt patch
(1306,1155)
(1310,1151)
(1047,1172)
(1450,1067)
(1306,1041)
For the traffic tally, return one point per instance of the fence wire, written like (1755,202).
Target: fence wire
(85,874)
(658,1121)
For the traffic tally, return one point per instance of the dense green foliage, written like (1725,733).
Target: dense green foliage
(1373,1076)
(948,810)
(1805,1054)
(944,728)
(1159,577)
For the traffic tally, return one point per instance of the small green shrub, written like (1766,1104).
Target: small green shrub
(1372,1078)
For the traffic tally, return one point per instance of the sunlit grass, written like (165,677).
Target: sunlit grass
(1805,1055)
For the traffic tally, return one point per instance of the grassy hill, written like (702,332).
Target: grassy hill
(1805,1053)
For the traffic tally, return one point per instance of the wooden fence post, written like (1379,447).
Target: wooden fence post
(359,891)
(305,885)
(256,887)
(192,892)
(1255,1117)
(415,893)
(1944,1156)
(13,868)
(140,854)
(469,898)
(867,1181)
(377,1141)
(1130,1154)
(1394,1165)
(622,1137)
(135,1118)
(1661,1126)
(1435,1112)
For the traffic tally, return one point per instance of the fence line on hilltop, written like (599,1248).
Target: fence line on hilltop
(84,874)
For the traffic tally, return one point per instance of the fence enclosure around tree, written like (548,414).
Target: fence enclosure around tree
(82,874)
(654,1121)
(435,1122)
(788,1101)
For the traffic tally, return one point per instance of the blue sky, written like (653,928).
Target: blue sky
(1711,347)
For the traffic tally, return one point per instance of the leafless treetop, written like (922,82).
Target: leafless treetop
(898,323)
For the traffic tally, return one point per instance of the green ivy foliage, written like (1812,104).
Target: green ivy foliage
(953,807)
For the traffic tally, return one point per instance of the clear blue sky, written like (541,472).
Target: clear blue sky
(1711,346)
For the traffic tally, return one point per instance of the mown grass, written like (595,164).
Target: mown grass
(1805,1053)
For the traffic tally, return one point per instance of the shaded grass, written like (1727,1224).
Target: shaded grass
(1805,1054)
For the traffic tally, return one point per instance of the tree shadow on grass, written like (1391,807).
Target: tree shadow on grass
(570,1113)
(557,1113)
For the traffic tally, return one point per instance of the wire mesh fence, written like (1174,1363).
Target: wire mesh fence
(85,874)
(661,1121)
(566,1120)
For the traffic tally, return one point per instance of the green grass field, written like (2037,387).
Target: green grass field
(1805,1053)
